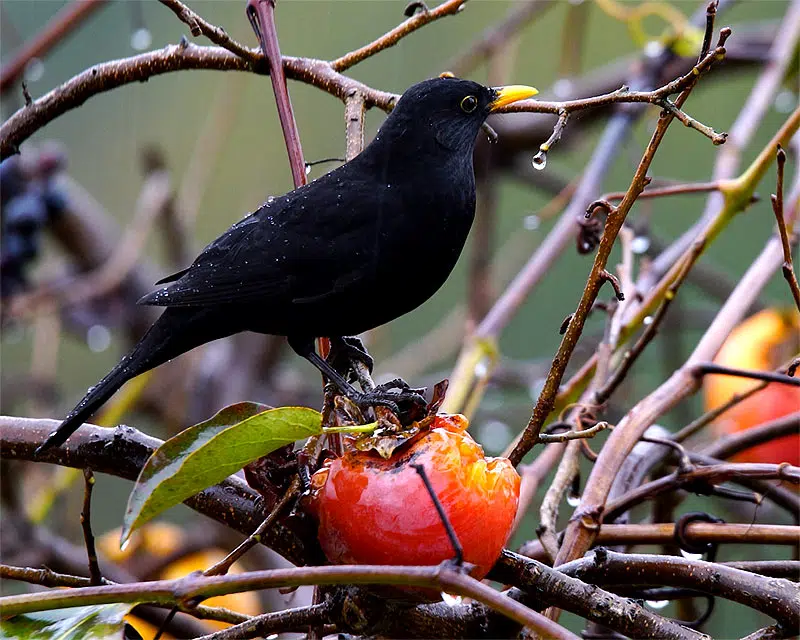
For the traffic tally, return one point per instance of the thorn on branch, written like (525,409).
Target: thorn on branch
(600,205)
(415,7)
(563,328)
(724,34)
(609,277)
(600,555)
(589,235)
(26,94)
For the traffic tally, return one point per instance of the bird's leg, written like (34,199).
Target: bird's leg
(358,361)
(390,395)
(348,354)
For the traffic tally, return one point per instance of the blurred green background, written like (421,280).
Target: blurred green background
(105,136)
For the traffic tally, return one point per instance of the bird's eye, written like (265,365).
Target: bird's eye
(469,104)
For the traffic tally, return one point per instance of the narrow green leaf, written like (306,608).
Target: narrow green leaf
(209,452)
(103,622)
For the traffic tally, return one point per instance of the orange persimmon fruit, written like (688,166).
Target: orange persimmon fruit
(762,342)
(373,510)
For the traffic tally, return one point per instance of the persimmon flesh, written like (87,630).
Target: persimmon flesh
(373,510)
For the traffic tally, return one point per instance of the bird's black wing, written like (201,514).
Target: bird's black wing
(298,248)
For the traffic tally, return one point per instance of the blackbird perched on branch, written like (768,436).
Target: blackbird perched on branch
(356,248)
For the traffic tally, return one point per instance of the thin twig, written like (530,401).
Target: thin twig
(591,432)
(69,18)
(775,597)
(223,566)
(184,590)
(614,223)
(688,121)
(709,416)
(706,368)
(198,26)
(540,584)
(498,35)
(783,233)
(123,451)
(682,383)
(273,623)
(420,19)
(458,550)
(95,576)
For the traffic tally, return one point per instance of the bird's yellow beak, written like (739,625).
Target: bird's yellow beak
(512,93)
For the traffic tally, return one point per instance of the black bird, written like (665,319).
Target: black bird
(391,223)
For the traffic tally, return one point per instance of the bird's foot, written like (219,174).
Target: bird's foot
(398,397)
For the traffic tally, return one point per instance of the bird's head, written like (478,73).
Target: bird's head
(450,111)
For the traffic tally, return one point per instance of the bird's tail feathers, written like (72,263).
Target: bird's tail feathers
(170,336)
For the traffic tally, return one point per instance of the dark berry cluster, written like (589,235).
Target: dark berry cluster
(30,200)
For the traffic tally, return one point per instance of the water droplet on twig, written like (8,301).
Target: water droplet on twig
(691,556)
(657,604)
(539,161)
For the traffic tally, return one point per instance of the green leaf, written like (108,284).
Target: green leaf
(209,452)
(103,622)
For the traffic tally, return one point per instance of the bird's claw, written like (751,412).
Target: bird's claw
(396,395)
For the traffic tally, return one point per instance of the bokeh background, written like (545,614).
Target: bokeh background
(104,140)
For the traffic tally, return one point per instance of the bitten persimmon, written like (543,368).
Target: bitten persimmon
(373,510)
(762,342)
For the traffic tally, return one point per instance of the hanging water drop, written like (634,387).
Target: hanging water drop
(691,556)
(451,600)
(539,161)
(573,500)
(647,321)
(657,604)
(308,168)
